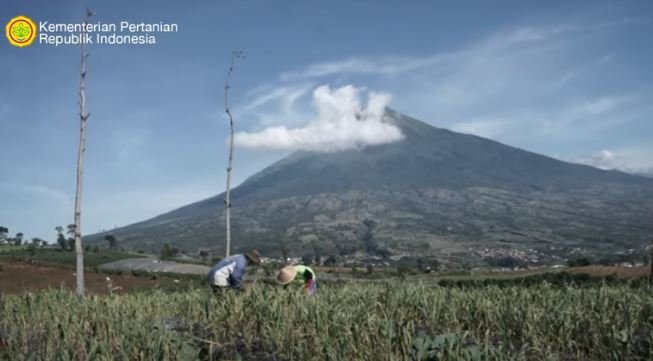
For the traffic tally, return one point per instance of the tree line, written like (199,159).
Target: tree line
(65,240)
(19,239)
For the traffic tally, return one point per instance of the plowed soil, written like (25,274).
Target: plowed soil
(21,277)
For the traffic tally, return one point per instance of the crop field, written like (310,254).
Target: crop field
(347,321)
(7,248)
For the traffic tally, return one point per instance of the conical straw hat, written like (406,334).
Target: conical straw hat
(286,275)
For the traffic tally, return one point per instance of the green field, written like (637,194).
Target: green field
(8,249)
(350,321)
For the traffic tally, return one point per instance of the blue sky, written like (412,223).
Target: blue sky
(567,79)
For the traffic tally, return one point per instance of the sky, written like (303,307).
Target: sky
(570,80)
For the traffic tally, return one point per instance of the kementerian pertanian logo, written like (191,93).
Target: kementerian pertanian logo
(20,31)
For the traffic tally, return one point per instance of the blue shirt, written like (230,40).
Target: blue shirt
(232,268)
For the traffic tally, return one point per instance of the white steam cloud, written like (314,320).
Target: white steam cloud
(630,160)
(343,122)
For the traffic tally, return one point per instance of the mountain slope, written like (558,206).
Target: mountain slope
(434,190)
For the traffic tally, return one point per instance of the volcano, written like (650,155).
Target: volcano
(434,191)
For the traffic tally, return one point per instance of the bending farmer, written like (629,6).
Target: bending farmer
(229,272)
(301,273)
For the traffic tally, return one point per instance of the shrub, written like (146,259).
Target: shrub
(579,262)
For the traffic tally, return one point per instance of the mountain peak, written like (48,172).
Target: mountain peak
(435,186)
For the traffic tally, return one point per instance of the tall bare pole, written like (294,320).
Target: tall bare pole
(83,117)
(227,199)
(650,275)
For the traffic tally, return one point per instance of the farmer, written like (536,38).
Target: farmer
(229,272)
(301,273)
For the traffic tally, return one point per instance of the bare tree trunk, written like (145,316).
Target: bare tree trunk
(650,260)
(83,117)
(227,200)
(650,275)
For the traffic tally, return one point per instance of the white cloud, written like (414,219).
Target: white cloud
(592,115)
(463,87)
(605,159)
(288,95)
(274,105)
(396,65)
(564,79)
(516,85)
(390,65)
(637,159)
(601,105)
(538,87)
(531,34)
(343,122)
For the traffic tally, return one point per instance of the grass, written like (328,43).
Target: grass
(7,248)
(351,321)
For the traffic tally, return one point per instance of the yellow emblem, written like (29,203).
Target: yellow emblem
(20,31)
